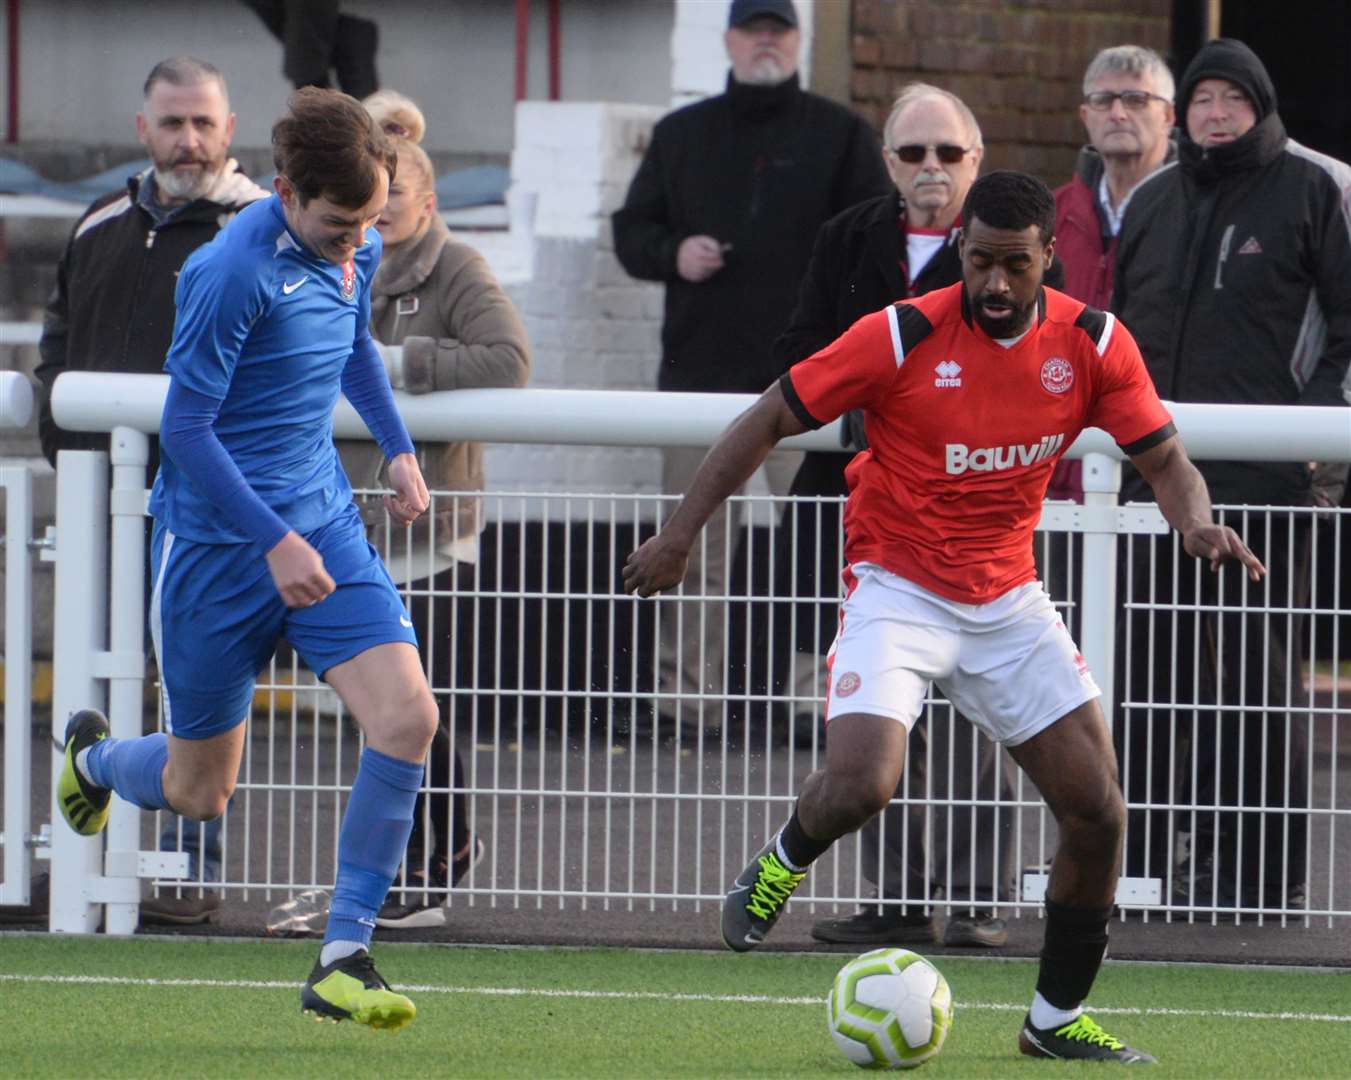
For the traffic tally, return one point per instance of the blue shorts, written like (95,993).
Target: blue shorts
(216,617)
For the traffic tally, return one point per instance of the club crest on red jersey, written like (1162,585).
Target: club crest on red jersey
(349,281)
(1057,375)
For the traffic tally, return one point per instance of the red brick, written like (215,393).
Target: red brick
(867,51)
(867,15)
(974,57)
(936,56)
(900,52)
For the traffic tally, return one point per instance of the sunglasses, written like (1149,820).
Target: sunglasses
(1134,100)
(947,153)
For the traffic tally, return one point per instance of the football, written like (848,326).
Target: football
(889,1009)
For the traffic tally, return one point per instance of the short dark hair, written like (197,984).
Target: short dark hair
(328,146)
(185,71)
(1005,199)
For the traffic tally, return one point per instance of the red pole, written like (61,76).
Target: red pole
(522,48)
(12,35)
(555,65)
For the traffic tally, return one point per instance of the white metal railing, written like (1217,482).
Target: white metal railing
(16,408)
(561,661)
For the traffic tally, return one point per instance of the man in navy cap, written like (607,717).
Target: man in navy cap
(1234,274)
(724,209)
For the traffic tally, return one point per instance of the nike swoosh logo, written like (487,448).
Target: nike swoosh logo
(405,622)
(366,922)
(288,287)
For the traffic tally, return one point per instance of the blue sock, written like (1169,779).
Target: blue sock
(374,835)
(134,768)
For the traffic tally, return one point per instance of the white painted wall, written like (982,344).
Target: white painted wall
(83,62)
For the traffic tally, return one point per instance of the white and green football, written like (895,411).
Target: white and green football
(889,1009)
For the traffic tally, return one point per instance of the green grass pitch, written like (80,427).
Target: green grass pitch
(165,1008)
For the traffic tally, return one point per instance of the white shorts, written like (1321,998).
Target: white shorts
(1010,666)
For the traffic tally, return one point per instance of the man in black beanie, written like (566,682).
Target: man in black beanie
(1234,275)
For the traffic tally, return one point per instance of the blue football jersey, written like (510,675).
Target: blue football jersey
(266,328)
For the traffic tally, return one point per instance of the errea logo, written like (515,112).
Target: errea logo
(949,374)
(961,458)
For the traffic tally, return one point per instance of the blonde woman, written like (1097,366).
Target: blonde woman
(436,298)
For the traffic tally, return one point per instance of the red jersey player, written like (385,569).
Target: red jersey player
(970,395)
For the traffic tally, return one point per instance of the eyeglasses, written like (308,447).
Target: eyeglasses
(1134,100)
(947,153)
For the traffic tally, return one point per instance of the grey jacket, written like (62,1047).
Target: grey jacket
(437,298)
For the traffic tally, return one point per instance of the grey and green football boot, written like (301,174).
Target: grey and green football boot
(757,899)
(1079,1040)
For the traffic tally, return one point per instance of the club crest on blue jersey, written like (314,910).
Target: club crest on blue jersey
(349,280)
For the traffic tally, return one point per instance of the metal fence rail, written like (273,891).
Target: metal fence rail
(583,796)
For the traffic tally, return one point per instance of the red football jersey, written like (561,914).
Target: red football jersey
(964,433)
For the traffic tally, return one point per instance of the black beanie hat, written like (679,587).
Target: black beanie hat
(1229,58)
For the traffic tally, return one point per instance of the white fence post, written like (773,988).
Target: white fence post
(1097,629)
(18,484)
(124,665)
(81,602)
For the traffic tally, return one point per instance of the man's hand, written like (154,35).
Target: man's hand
(1218,544)
(410,498)
(298,572)
(698,258)
(656,566)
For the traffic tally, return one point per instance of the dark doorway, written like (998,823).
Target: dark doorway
(1306,47)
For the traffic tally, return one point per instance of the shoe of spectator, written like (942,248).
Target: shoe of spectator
(179,910)
(981,930)
(422,910)
(38,906)
(875,925)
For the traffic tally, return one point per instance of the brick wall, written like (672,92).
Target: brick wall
(1019,65)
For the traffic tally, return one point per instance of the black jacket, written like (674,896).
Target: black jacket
(857,267)
(113,305)
(760,168)
(1234,275)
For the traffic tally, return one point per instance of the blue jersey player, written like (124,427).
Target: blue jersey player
(256,537)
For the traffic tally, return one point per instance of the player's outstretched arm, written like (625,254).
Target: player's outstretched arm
(1185,503)
(660,563)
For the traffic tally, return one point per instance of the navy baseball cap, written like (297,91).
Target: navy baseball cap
(743,11)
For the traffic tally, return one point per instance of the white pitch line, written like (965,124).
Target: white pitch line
(640,995)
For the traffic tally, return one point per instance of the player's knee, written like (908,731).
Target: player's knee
(412,720)
(204,803)
(1100,822)
(854,798)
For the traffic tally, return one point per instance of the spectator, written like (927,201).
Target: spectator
(1128,113)
(113,309)
(894,246)
(1234,272)
(316,39)
(723,209)
(436,298)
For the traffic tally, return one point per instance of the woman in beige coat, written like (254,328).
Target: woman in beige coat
(436,298)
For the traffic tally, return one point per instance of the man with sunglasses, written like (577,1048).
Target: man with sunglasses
(898,245)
